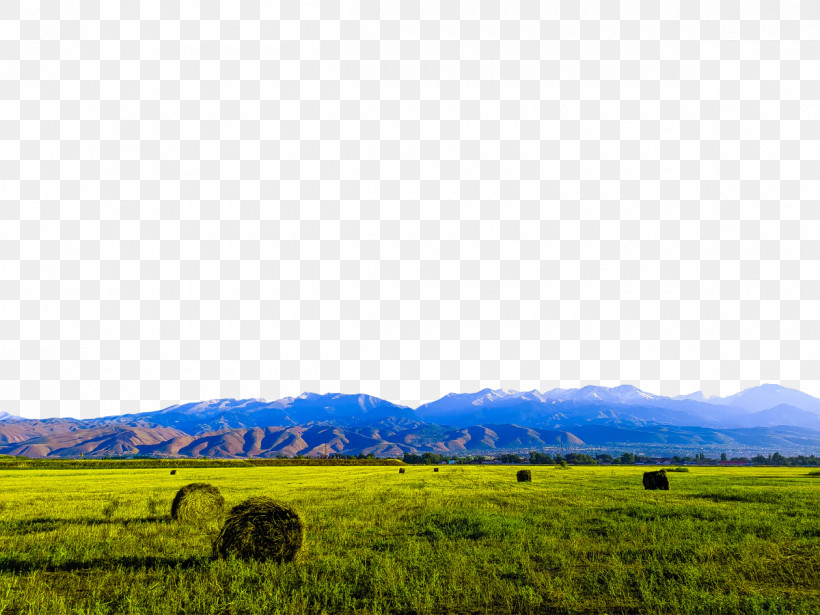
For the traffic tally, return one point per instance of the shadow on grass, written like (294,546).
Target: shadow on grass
(670,513)
(18,566)
(473,526)
(48,524)
(754,497)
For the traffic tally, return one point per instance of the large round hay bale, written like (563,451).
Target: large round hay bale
(524,476)
(401,470)
(435,469)
(260,529)
(197,502)
(173,472)
(656,480)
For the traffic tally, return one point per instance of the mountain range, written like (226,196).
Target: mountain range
(761,418)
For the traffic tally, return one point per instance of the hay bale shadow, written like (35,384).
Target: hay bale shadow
(21,527)
(19,566)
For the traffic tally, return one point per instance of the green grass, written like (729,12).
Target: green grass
(464,540)
(23,463)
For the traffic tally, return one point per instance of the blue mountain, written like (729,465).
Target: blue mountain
(763,406)
(217,414)
(768,396)
(490,419)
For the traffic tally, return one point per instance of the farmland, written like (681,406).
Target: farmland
(464,540)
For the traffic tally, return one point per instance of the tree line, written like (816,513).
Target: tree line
(539,458)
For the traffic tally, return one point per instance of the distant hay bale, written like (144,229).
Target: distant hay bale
(197,502)
(656,480)
(435,469)
(173,472)
(401,470)
(524,476)
(260,529)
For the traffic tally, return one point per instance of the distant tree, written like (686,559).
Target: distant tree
(723,456)
(778,460)
(509,458)
(538,458)
(581,459)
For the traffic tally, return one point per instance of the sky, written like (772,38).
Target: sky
(202,200)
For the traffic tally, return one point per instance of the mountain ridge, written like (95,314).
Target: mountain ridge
(489,419)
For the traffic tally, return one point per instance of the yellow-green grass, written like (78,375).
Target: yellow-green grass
(463,540)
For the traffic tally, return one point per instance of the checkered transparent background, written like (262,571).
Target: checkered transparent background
(247,199)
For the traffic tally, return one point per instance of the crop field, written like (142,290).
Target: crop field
(468,539)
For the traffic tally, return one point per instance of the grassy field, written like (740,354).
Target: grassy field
(464,540)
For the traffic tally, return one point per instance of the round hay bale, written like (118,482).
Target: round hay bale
(173,472)
(260,529)
(197,502)
(656,480)
(401,470)
(524,476)
(435,469)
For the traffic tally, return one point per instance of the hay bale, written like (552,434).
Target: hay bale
(435,469)
(197,502)
(173,472)
(656,480)
(524,476)
(260,529)
(401,470)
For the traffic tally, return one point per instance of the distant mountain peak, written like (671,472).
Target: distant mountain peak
(623,393)
(631,388)
(696,396)
(484,393)
(488,395)
(767,396)
(772,386)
